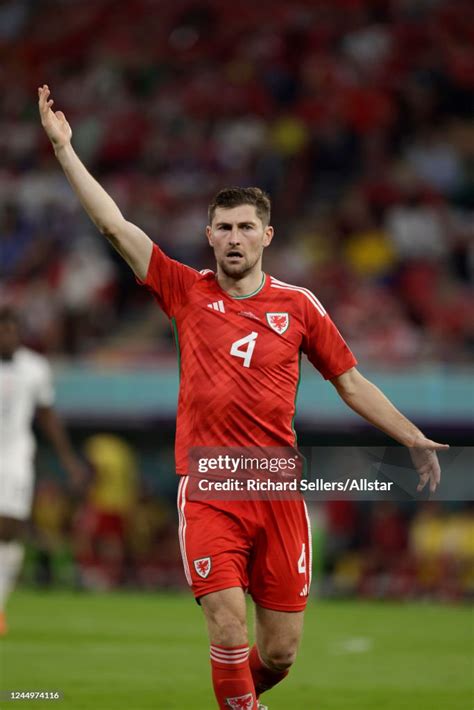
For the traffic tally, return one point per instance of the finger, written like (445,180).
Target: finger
(42,106)
(436,446)
(42,100)
(60,115)
(436,474)
(44,110)
(430,445)
(424,477)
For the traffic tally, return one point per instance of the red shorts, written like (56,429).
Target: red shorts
(262,546)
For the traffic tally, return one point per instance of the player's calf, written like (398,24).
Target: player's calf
(268,670)
(225,613)
(231,677)
(278,635)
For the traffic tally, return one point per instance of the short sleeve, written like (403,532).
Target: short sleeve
(168,280)
(323,344)
(44,385)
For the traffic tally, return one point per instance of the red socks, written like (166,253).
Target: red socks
(239,677)
(264,678)
(231,677)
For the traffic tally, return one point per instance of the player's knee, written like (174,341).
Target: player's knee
(230,633)
(279,658)
(227,629)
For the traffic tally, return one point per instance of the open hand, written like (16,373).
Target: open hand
(424,457)
(54,122)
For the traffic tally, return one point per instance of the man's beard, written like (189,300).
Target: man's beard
(237,271)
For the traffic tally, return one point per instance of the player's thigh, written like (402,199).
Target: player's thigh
(215,544)
(226,616)
(278,634)
(280,574)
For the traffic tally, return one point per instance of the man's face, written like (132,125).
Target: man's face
(238,238)
(9,338)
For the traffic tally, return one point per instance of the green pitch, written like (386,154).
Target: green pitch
(149,652)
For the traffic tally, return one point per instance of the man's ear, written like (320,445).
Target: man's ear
(209,235)
(268,236)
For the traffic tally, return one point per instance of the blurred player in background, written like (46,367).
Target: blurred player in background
(240,335)
(102,523)
(26,392)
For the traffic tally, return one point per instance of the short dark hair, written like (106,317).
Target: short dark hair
(231,197)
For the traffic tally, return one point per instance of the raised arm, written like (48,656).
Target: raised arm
(366,399)
(129,240)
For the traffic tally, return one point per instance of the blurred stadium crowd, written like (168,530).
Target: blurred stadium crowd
(355,115)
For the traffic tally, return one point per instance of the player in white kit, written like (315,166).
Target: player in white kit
(26,392)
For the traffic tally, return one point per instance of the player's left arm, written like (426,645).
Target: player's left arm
(366,399)
(53,428)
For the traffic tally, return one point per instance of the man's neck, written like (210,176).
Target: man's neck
(238,288)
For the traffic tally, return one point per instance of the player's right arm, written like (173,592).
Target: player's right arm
(128,239)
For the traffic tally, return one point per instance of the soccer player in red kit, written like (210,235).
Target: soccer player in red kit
(240,333)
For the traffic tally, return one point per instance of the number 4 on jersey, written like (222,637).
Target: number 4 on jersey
(244,348)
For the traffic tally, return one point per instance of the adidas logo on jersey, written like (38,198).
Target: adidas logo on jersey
(217,306)
(304,591)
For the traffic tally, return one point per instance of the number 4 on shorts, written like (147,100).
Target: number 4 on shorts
(244,348)
(302,560)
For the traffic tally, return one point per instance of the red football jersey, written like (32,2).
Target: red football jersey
(240,356)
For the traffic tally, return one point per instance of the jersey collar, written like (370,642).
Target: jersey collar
(248,295)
